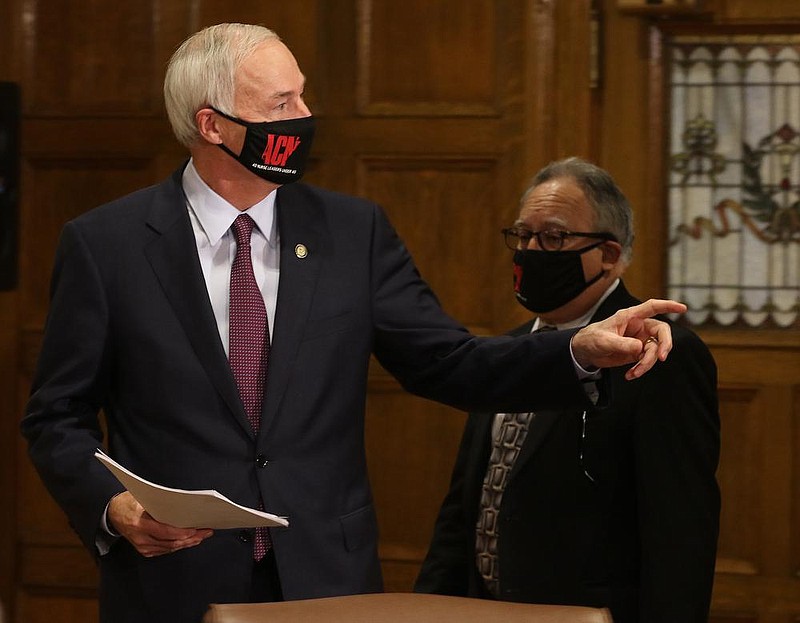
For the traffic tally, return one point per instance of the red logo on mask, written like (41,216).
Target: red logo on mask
(279,148)
(517,277)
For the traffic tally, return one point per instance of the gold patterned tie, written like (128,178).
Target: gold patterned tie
(505,449)
(506,446)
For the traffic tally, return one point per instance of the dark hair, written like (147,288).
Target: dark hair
(612,211)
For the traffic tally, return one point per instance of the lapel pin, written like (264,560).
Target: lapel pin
(301,251)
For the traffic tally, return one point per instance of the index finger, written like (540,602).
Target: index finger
(654,307)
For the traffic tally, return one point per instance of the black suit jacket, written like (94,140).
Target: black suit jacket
(624,515)
(131,331)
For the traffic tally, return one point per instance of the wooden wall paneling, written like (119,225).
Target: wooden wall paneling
(573,95)
(754,580)
(740,483)
(627,149)
(756,568)
(9,37)
(776,474)
(46,607)
(297,23)
(734,618)
(436,115)
(73,66)
(42,524)
(763,11)
(443,209)
(652,191)
(330,89)
(53,569)
(61,190)
(795,467)
(558,99)
(540,112)
(9,70)
(64,568)
(411,446)
(519,30)
(452,72)
(9,433)
(6,42)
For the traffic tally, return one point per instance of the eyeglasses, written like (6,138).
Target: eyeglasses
(518,238)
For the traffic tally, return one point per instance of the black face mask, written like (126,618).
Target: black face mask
(276,151)
(546,280)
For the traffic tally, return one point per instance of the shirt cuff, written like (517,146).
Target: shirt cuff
(106,537)
(583,373)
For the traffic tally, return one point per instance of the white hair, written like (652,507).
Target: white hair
(202,72)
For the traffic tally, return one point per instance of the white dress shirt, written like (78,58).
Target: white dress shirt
(212,218)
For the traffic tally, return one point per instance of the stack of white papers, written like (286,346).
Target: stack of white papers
(189,509)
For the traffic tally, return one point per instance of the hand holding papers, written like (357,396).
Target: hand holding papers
(189,509)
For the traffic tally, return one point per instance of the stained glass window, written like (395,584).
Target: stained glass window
(734,179)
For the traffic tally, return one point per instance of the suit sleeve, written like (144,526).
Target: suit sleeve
(435,357)
(61,422)
(677,439)
(449,562)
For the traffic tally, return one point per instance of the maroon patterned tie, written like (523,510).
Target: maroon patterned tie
(248,341)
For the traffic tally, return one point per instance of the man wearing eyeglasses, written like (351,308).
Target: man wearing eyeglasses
(615,507)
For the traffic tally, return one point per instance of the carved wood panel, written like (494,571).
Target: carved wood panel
(452,73)
(73,66)
(444,209)
(411,448)
(741,450)
(61,189)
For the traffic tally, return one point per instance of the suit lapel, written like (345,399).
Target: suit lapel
(304,246)
(173,257)
(478,466)
(542,423)
(540,426)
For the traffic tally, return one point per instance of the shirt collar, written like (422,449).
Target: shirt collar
(583,320)
(216,215)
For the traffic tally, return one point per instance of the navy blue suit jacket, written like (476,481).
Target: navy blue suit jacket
(131,333)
